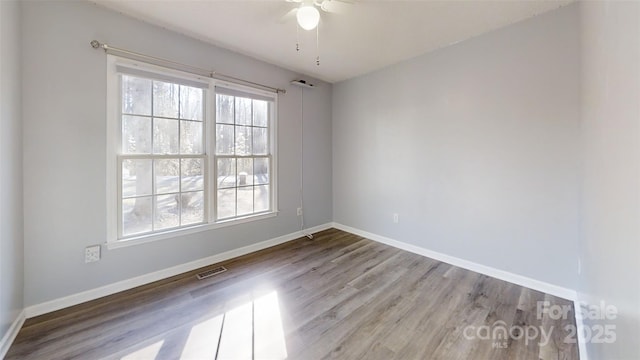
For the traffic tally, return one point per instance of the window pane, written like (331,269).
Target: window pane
(136,215)
(165,136)
(243,111)
(226,173)
(260,113)
(191,103)
(243,140)
(224,109)
(245,200)
(136,135)
(164,192)
(136,178)
(261,171)
(226,203)
(165,99)
(192,174)
(261,198)
(166,212)
(260,141)
(224,139)
(245,172)
(166,176)
(190,137)
(136,95)
(192,207)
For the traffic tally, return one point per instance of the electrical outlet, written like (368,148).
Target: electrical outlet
(395,218)
(299,211)
(92,253)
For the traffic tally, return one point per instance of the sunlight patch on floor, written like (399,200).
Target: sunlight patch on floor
(237,333)
(202,342)
(269,342)
(250,331)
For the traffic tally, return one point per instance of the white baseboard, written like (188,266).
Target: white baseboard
(11,334)
(315,229)
(96,293)
(530,283)
(119,286)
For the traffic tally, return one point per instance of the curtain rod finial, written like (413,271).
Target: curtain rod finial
(95,44)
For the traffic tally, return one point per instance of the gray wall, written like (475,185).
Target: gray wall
(610,231)
(64,89)
(475,146)
(11,236)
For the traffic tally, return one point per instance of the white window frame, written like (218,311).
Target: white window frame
(113,147)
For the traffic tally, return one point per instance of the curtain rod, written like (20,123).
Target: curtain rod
(179,66)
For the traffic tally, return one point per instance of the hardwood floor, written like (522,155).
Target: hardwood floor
(336,296)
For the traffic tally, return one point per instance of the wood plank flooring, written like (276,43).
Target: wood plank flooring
(338,296)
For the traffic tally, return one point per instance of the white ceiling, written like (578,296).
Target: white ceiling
(365,36)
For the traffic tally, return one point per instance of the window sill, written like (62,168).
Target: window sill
(143,239)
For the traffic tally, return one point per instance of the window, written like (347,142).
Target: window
(186,153)
(243,155)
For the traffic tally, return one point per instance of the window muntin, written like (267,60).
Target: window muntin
(244,154)
(162,159)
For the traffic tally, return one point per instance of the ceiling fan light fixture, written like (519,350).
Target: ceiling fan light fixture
(308,17)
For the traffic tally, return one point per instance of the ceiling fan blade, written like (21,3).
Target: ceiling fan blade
(288,16)
(334,6)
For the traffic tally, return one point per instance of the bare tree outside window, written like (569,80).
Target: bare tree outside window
(162,155)
(243,156)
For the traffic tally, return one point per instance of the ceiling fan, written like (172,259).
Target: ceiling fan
(308,17)
(307,14)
